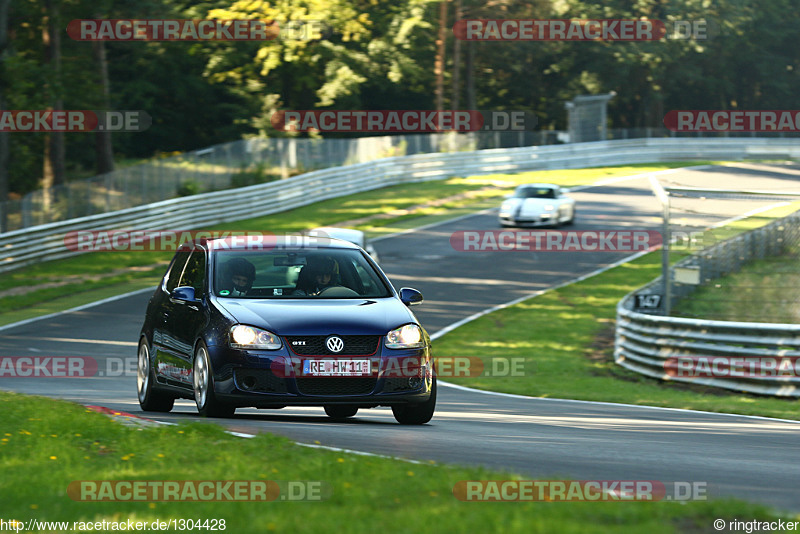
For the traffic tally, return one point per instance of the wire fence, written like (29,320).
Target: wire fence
(236,164)
(734,325)
(259,160)
(743,264)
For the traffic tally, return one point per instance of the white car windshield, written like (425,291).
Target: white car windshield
(535,192)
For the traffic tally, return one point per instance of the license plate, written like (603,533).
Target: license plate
(336,367)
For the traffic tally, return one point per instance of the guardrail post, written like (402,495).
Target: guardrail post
(665,261)
(663,197)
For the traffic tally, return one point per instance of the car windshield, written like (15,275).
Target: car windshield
(296,274)
(535,192)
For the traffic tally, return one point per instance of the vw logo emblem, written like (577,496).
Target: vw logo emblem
(334,344)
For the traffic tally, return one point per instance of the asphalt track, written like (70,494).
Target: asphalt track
(751,458)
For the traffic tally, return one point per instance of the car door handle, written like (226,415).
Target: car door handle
(193,307)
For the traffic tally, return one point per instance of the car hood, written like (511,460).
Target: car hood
(530,205)
(320,317)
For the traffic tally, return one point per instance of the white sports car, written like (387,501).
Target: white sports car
(537,205)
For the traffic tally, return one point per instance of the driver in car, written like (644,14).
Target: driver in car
(241,274)
(316,277)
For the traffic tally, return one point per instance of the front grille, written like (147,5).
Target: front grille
(315,345)
(265,381)
(355,385)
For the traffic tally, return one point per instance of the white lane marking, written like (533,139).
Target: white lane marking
(600,183)
(609,181)
(453,326)
(603,403)
(240,434)
(67,340)
(361,453)
(78,308)
(431,225)
(309,445)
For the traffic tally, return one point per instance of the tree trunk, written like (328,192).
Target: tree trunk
(104,150)
(457,62)
(438,68)
(4,5)
(470,75)
(53,169)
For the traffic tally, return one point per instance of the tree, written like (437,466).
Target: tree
(4,5)
(54,155)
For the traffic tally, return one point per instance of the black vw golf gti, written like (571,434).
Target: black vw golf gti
(284,321)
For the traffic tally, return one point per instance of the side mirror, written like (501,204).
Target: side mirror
(410,296)
(183,293)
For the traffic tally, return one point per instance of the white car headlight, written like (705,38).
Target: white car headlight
(406,337)
(249,337)
(508,207)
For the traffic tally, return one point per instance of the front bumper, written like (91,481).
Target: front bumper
(545,219)
(266,379)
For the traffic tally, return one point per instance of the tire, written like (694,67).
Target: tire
(203,385)
(416,414)
(572,218)
(149,399)
(340,412)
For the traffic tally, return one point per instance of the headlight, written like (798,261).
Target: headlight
(548,207)
(248,337)
(405,337)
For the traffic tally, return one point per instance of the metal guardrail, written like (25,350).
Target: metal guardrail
(236,164)
(46,242)
(715,351)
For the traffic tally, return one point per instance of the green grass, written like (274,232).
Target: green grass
(48,444)
(81,277)
(765,290)
(564,339)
